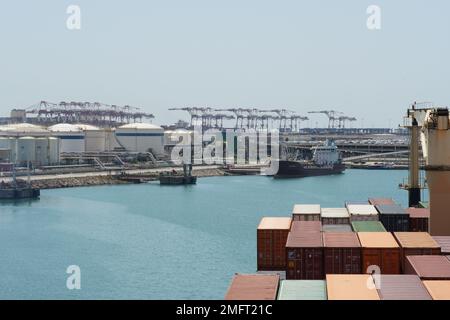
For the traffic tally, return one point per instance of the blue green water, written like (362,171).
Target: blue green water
(154,242)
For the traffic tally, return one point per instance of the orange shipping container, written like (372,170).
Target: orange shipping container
(351,287)
(271,243)
(439,290)
(253,287)
(379,249)
(416,243)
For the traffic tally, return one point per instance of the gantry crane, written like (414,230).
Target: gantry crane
(333,117)
(343,119)
(95,113)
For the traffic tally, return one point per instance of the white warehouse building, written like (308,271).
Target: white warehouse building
(141,137)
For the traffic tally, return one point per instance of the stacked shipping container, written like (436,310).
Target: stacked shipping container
(428,267)
(379,249)
(393,217)
(444,243)
(271,243)
(416,243)
(418,219)
(335,216)
(253,287)
(380,201)
(306,212)
(302,290)
(368,226)
(351,287)
(401,287)
(439,290)
(362,212)
(342,253)
(304,251)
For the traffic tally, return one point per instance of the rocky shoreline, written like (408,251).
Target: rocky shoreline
(109,180)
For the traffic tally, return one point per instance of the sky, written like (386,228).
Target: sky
(293,54)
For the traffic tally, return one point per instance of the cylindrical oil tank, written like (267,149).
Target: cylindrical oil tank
(141,137)
(42,152)
(14,151)
(71,137)
(53,150)
(26,150)
(95,140)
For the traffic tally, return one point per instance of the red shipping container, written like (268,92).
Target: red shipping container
(271,243)
(253,287)
(416,244)
(342,253)
(306,226)
(428,267)
(304,256)
(381,201)
(444,243)
(418,219)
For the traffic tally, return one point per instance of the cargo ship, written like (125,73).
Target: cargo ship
(18,189)
(326,160)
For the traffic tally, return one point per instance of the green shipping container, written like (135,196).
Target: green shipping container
(302,290)
(368,226)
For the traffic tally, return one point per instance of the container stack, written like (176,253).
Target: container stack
(302,290)
(306,212)
(439,290)
(362,212)
(444,243)
(253,287)
(363,251)
(368,226)
(428,267)
(379,249)
(351,287)
(381,201)
(342,253)
(401,287)
(335,216)
(416,243)
(272,235)
(393,217)
(304,251)
(418,219)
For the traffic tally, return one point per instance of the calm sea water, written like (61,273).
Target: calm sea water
(154,242)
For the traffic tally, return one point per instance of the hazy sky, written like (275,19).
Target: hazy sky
(302,55)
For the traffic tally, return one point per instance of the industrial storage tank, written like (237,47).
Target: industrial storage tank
(71,137)
(42,152)
(23,130)
(26,151)
(141,137)
(53,150)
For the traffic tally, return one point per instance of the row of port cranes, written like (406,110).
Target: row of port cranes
(254,118)
(94,113)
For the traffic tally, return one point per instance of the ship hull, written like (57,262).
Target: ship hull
(295,169)
(16,194)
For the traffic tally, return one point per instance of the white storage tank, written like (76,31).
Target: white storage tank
(71,137)
(141,137)
(26,147)
(53,150)
(14,152)
(42,152)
